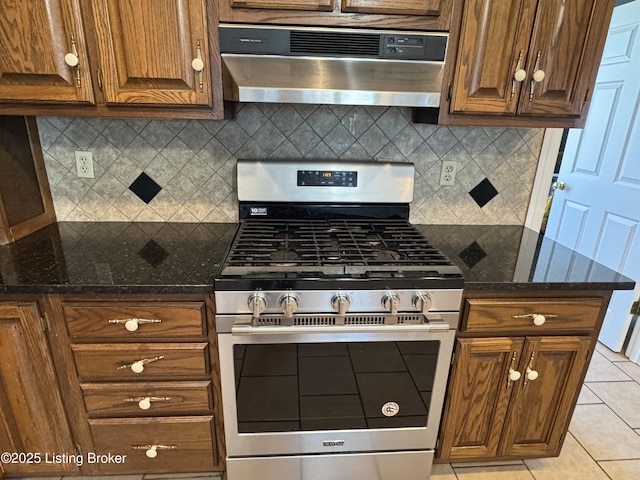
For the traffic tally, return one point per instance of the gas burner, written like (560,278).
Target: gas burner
(386,256)
(284,257)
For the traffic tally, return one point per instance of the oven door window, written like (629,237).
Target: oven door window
(331,386)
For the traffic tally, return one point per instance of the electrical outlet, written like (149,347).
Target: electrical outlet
(448,172)
(84,164)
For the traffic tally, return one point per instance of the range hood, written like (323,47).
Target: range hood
(332,65)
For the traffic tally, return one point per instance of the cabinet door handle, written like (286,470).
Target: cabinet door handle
(131,324)
(152,450)
(538,76)
(539,319)
(145,402)
(138,365)
(518,76)
(514,375)
(530,373)
(73,60)
(198,64)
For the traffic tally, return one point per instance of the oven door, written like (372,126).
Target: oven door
(331,389)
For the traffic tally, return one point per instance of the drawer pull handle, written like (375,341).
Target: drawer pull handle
(152,450)
(138,365)
(539,319)
(145,402)
(132,324)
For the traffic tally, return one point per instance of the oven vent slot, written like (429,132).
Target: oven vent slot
(312,321)
(361,320)
(410,319)
(264,321)
(334,43)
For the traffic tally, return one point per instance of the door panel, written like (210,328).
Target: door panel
(146,49)
(601,171)
(564,38)
(495,35)
(541,407)
(35,36)
(32,418)
(478,397)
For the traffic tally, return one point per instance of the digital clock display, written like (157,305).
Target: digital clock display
(327,178)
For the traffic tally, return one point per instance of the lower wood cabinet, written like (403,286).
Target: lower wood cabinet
(512,396)
(33,423)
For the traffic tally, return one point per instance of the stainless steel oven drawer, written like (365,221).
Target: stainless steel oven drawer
(415,465)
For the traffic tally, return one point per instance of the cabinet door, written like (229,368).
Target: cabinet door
(317,5)
(35,36)
(494,39)
(542,406)
(32,419)
(146,51)
(394,7)
(566,45)
(479,395)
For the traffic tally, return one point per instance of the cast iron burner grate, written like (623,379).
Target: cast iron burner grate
(332,247)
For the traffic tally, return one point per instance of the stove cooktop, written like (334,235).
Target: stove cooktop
(334,249)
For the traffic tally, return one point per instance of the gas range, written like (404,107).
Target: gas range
(336,320)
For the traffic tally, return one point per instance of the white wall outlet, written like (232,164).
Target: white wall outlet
(448,172)
(84,164)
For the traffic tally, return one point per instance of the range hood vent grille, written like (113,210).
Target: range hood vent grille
(334,43)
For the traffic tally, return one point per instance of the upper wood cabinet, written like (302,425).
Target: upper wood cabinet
(157,58)
(147,48)
(524,62)
(35,36)
(32,417)
(413,14)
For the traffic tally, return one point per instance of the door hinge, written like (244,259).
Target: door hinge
(44,320)
(449,91)
(635,308)
(587,96)
(99,78)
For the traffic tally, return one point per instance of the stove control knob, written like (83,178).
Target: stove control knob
(257,303)
(391,302)
(289,305)
(341,303)
(422,301)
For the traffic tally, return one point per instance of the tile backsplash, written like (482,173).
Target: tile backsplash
(184,170)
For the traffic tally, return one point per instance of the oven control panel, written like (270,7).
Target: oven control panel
(327,178)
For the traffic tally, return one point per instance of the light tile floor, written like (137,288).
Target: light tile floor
(603,441)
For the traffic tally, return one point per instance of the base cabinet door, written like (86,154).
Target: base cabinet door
(32,419)
(480,394)
(551,376)
(512,397)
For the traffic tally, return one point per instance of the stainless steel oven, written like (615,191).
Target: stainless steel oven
(335,329)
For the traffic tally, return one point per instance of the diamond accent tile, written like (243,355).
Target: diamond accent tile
(483,193)
(145,187)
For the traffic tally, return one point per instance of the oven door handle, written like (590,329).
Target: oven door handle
(433,326)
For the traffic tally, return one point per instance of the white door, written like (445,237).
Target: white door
(598,214)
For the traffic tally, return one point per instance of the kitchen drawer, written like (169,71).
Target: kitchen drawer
(498,316)
(190,440)
(115,361)
(159,398)
(150,320)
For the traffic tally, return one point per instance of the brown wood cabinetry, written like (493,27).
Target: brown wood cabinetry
(32,416)
(143,382)
(25,198)
(522,62)
(512,396)
(401,14)
(121,58)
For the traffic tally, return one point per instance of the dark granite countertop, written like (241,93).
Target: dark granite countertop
(514,258)
(156,258)
(149,258)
